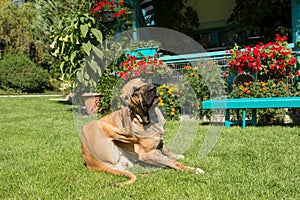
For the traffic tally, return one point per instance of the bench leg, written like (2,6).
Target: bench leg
(238,114)
(244,118)
(227,118)
(253,117)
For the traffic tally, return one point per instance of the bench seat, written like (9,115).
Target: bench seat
(249,103)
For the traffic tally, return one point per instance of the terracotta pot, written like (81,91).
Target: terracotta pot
(91,102)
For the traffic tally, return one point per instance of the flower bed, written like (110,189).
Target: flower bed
(183,97)
(273,66)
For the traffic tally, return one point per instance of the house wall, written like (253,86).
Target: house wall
(212,13)
(213,32)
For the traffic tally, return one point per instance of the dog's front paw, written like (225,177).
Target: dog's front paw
(177,156)
(199,171)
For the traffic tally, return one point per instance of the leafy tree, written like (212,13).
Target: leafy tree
(262,18)
(15,27)
(25,28)
(175,15)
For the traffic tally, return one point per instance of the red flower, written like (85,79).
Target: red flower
(272,58)
(92,10)
(284,38)
(116,15)
(122,12)
(110,5)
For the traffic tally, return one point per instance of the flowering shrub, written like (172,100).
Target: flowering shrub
(105,5)
(268,88)
(169,100)
(273,60)
(195,80)
(147,66)
(259,89)
(206,81)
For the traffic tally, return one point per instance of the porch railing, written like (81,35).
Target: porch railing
(177,62)
(219,56)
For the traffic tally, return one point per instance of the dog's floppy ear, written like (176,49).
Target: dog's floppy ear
(124,99)
(130,89)
(125,96)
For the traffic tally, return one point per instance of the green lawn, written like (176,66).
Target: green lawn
(40,158)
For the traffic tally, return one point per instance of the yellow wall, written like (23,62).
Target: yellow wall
(212,13)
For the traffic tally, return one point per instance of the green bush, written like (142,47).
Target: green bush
(18,73)
(105,88)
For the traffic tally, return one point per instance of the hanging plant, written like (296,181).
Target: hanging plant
(108,11)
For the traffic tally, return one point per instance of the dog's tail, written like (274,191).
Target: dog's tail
(129,175)
(96,165)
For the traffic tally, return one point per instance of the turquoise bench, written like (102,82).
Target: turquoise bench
(249,103)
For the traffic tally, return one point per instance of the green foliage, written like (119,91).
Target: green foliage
(74,37)
(262,18)
(105,88)
(20,74)
(176,15)
(15,27)
(46,12)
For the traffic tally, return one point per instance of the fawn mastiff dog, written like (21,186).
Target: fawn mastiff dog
(131,135)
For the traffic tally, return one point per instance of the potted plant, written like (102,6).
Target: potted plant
(91,102)
(86,83)
(109,10)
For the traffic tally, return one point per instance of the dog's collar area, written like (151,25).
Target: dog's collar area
(134,116)
(140,120)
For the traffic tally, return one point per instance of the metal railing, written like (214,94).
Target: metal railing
(177,62)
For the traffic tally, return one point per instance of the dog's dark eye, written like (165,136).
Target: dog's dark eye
(151,89)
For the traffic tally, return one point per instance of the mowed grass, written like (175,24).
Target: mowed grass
(40,158)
